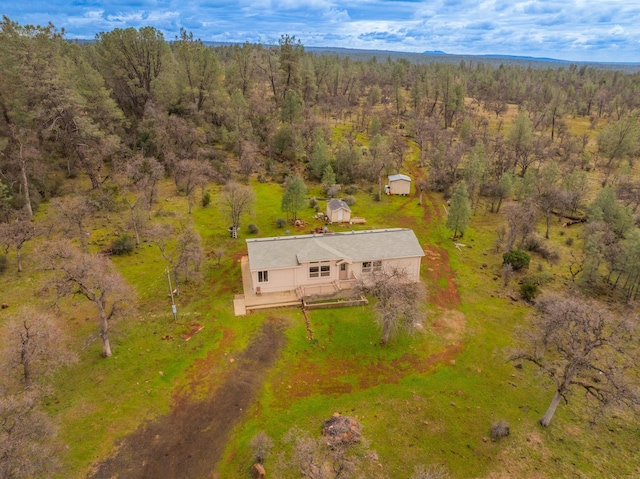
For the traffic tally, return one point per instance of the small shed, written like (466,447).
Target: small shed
(338,211)
(398,185)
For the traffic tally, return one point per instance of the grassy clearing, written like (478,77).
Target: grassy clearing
(425,399)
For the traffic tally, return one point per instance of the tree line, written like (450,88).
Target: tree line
(132,108)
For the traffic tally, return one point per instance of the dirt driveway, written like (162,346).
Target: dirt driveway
(190,440)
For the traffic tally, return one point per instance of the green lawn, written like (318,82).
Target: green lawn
(428,398)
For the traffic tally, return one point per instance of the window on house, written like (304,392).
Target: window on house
(343,267)
(263,276)
(371,266)
(319,271)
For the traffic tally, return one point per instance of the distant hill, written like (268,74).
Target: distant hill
(438,56)
(442,57)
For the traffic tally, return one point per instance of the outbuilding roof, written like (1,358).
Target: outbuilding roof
(290,251)
(336,204)
(399,177)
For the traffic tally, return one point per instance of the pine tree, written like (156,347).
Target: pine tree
(294,195)
(460,210)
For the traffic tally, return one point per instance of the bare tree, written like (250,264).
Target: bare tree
(190,174)
(73,214)
(400,305)
(91,276)
(521,219)
(33,345)
(237,200)
(180,247)
(322,458)
(578,343)
(27,435)
(261,444)
(23,155)
(430,472)
(16,234)
(144,173)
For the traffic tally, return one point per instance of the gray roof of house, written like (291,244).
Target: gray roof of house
(290,251)
(399,177)
(336,204)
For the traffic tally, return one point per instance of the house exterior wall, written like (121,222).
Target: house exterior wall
(288,279)
(399,187)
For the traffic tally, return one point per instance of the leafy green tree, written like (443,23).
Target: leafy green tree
(294,197)
(199,70)
(379,160)
(292,106)
(475,170)
(618,140)
(459,211)
(346,163)
(520,139)
(328,178)
(320,156)
(130,61)
(290,54)
(605,207)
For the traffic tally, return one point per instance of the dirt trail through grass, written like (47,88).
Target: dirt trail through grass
(191,439)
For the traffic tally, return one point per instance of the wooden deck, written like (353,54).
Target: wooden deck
(250,301)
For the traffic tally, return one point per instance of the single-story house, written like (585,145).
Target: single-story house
(398,185)
(338,211)
(326,263)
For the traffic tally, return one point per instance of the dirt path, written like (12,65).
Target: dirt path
(190,440)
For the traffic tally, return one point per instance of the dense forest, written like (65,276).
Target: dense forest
(540,148)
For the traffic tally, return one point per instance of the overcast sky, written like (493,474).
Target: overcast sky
(576,30)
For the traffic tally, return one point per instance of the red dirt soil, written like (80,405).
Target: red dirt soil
(190,440)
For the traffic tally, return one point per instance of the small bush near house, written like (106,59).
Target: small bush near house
(350,200)
(516,258)
(499,429)
(124,244)
(351,189)
(313,203)
(252,229)
(281,222)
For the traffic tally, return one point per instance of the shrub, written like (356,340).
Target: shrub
(252,229)
(206,199)
(3,263)
(517,259)
(569,241)
(499,429)
(281,222)
(350,200)
(124,244)
(333,191)
(529,290)
(313,203)
(261,445)
(377,197)
(536,244)
(351,189)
